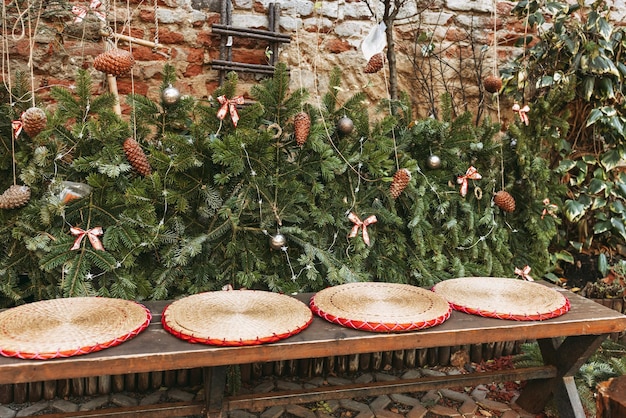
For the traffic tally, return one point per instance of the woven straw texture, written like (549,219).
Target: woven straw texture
(503,298)
(380,307)
(236,317)
(69,327)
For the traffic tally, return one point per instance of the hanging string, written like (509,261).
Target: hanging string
(31,42)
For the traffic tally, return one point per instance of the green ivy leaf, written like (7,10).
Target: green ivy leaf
(618,224)
(611,159)
(596,186)
(603,264)
(573,210)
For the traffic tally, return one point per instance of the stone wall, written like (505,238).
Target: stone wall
(441,45)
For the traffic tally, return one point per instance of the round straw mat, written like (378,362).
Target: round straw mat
(380,307)
(503,298)
(69,327)
(236,317)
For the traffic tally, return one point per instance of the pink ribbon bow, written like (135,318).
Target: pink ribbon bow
(472,174)
(17,128)
(92,234)
(81,12)
(522,112)
(229,105)
(361,224)
(524,273)
(549,208)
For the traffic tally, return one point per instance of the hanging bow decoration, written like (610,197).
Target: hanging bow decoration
(229,105)
(92,234)
(361,224)
(524,273)
(470,174)
(81,12)
(17,126)
(549,208)
(522,112)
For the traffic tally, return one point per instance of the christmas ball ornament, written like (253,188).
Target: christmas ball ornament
(278,241)
(14,197)
(115,61)
(433,162)
(170,95)
(492,83)
(400,181)
(345,125)
(504,201)
(33,121)
(374,64)
(136,157)
(301,127)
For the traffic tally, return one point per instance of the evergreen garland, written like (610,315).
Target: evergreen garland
(218,193)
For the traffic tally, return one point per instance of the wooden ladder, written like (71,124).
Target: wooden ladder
(226,30)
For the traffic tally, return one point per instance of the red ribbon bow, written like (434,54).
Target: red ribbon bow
(524,273)
(358,224)
(229,105)
(549,208)
(471,173)
(522,112)
(92,234)
(81,12)
(17,128)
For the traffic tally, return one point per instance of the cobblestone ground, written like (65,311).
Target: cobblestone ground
(497,400)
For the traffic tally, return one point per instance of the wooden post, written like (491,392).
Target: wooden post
(611,399)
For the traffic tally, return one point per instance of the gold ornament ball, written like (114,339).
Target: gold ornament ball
(170,95)
(345,125)
(433,162)
(278,241)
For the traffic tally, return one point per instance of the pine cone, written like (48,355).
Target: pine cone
(136,157)
(400,181)
(374,64)
(33,121)
(492,83)
(301,127)
(114,61)
(14,197)
(504,201)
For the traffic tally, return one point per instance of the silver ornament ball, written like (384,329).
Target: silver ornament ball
(345,125)
(433,161)
(278,241)
(170,95)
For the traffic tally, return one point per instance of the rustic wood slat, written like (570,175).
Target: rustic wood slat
(257,401)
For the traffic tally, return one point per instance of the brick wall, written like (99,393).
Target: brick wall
(323,34)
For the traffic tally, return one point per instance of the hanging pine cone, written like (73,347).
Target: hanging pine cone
(14,197)
(114,61)
(492,83)
(504,201)
(33,121)
(136,157)
(400,181)
(374,64)
(301,127)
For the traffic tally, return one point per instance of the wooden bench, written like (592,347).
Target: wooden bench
(566,343)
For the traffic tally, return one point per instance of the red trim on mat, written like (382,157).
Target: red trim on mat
(223,342)
(81,350)
(515,317)
(378,326)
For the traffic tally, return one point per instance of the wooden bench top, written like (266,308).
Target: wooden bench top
(155,349)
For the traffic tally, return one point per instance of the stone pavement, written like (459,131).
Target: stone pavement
(495,400)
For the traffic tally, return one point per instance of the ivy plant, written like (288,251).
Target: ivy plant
(578,53)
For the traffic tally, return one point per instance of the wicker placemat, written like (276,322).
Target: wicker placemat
(236,317)
(69,327)
(380,307)
(503,298)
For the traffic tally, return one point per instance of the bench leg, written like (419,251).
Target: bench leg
(214,388)
(567,357)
